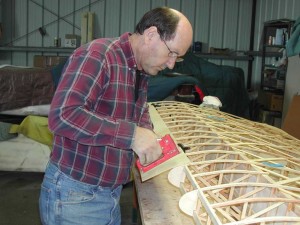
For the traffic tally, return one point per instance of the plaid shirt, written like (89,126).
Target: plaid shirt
(94,114)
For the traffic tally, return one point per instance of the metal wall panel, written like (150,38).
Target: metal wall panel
(157,3)
(19,17)
(99,8)
(202,23)
(175,4)
(217,23)
(112,18)
(243,30)
(127,16)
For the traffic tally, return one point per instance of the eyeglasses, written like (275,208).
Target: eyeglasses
(172,54)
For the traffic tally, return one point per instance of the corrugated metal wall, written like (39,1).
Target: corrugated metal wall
(217,23)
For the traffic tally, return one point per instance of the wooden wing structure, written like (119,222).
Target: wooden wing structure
(240,171)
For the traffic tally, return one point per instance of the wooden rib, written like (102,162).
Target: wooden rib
(266,219)
(249,200)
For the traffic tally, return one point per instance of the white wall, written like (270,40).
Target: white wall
(292,85)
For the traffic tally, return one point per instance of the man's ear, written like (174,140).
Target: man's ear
(150,33)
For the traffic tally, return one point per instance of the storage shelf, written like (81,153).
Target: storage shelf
(272,77)
(269,87)
(274,68)
(275,46)
(267,54)
(36,49)
(225,57)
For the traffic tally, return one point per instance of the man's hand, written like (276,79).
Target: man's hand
(146,145)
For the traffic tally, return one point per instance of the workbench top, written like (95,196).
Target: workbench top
(159,201)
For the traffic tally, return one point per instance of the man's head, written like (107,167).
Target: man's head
(164,19)
(160,37)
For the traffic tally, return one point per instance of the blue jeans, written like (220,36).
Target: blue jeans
(65,201)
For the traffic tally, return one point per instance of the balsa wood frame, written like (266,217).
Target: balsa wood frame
(244,172)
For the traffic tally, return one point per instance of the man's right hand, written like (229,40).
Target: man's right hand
(146,145)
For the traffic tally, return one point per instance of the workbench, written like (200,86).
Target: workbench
(158,201)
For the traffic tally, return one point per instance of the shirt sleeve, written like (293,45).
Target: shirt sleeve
(145,118)
(71,113)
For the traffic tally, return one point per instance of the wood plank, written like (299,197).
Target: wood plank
(158,201)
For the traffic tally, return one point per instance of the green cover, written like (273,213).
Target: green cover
(225,82)
(293,44)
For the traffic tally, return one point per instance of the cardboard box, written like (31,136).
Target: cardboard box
(291,122)
(72,41)
(270,101)
(47,61)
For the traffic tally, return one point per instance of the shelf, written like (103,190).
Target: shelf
(281,23)
(267,54)
(225,57)
(272,67)
(36,49)
(272,112)
(269,87)
(275,46)
(274,71)
(273,77)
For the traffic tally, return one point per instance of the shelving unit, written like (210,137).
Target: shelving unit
(273,70)
(225,57)
(36,49)
(43,56)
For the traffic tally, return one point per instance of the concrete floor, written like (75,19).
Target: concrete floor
(19,194)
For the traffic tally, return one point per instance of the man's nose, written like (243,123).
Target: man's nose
(171,62)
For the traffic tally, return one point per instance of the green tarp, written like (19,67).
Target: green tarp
(293,44)
(225,82)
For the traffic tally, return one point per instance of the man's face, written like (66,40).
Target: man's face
(160,54)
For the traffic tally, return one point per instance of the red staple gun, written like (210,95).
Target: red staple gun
(169,150)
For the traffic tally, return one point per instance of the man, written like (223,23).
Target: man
(99,118)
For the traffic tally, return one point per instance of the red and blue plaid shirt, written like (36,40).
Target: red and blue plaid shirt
(94,114)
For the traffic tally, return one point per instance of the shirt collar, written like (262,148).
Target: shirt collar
(126,47)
